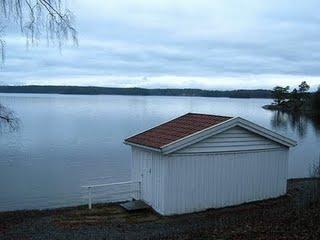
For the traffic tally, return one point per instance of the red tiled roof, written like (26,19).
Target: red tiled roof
(175,129)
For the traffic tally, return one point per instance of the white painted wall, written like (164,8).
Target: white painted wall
(231,168)
(148,167)
(198,182)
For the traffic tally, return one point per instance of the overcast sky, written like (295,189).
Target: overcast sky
(187,44)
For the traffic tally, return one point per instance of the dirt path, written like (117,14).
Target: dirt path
(295,216)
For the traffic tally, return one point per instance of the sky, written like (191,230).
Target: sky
(208,44)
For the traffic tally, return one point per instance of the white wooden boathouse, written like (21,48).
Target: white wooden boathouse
(200,161)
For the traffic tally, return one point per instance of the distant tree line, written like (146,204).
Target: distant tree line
(298,99)
(259,93)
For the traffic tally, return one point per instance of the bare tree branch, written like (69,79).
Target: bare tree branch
(35,18)
(8,119)
(38,18)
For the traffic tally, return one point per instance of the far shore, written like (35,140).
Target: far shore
(91,90)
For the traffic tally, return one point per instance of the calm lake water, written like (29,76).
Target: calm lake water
(66,141)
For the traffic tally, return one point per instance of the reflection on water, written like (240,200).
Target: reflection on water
(297,121)
(315,169)
(307,128)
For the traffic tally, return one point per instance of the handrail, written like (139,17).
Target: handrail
(90,187)
(109,184)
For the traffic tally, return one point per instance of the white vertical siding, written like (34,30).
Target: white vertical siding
(148,168)
(196,182)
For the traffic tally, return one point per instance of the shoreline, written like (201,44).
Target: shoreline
(273,107)
(295,214)
(85,206)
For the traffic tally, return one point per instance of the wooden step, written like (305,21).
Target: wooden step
(134,205)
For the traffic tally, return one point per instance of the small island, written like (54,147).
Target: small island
(297,101)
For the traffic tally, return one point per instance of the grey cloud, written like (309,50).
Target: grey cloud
(274,40)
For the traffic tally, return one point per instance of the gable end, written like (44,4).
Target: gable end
(232,140)
(234,122)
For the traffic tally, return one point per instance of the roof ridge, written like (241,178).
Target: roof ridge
(207,114)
